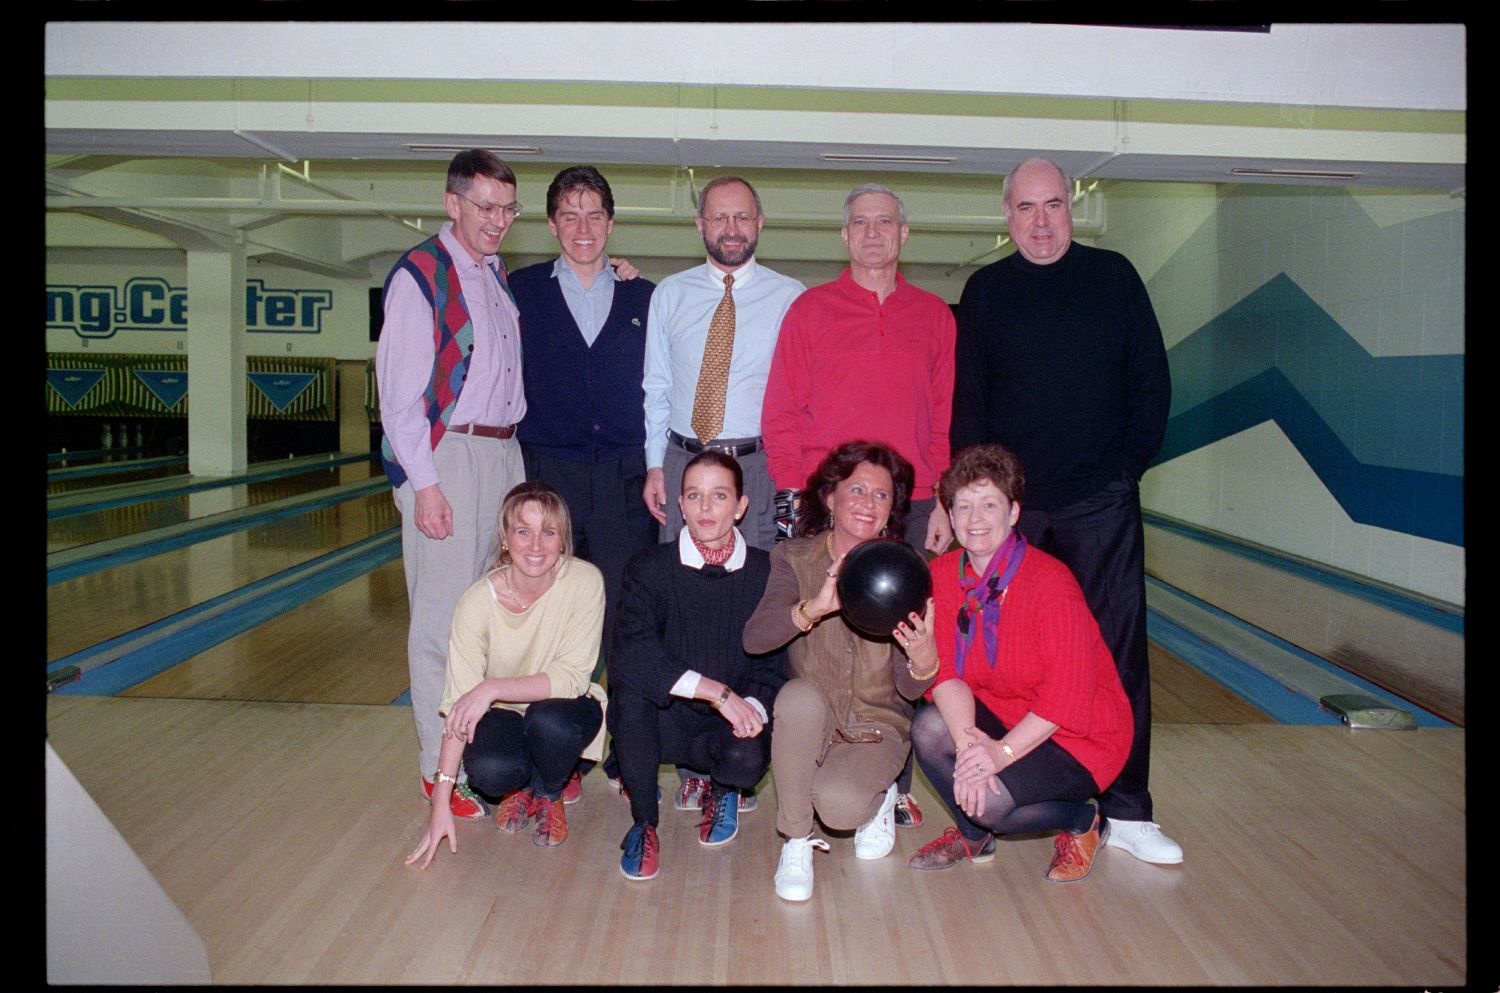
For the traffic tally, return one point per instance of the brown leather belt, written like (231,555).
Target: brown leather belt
(483,430)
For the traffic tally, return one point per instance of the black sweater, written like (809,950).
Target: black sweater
(674,618)
(1064,365)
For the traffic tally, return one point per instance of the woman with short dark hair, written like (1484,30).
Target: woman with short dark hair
(1030,718)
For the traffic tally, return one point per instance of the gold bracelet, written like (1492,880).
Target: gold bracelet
(1008,753)
(925,675)
(723,698)
(801,608)
(443,777)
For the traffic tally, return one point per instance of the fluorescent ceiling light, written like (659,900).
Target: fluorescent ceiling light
(887,159)
(497,149)
(1296,174)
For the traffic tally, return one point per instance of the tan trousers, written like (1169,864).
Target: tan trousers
(475,475)
(843,784)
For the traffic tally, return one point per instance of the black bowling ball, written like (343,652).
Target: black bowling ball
(881,581)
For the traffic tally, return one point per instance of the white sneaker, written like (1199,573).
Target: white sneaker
(1144,840)
(876,838)
(794,873)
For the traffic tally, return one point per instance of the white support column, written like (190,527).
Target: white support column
(354,420)
(217,429)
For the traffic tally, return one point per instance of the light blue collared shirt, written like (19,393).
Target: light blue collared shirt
(589,307)
(677,327)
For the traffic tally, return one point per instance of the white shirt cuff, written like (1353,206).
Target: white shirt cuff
(687,684)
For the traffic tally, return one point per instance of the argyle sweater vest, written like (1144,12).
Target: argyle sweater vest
(452,338)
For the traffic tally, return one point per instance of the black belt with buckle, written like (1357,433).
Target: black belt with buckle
(483,430)
(695,446)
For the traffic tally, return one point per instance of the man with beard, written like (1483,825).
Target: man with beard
(710,335)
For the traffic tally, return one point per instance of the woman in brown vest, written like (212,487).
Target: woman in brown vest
(841,724)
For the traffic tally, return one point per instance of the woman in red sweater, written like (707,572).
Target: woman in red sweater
(1030,718)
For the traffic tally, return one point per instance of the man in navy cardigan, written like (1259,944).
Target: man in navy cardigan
(583,337)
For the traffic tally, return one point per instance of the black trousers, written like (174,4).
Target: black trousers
(610,521)
(537,749)
(1102,540)
(646,735)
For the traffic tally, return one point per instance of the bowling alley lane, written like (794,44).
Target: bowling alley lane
(74,479)
(92,608)
(1418,659)
(113,522)
(346,646)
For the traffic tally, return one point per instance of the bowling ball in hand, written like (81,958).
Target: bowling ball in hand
(881,581)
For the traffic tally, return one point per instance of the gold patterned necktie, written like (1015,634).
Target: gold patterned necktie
(713,374)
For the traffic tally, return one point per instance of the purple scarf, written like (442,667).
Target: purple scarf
(983,597)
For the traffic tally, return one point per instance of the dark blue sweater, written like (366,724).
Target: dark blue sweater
(583,403)
(674,618)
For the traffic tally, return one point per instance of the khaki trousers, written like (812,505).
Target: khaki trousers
(476,474)
(842,783)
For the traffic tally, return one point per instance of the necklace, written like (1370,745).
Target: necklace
(512,594)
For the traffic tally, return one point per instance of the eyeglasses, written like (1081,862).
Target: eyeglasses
(489,211)
(719,220)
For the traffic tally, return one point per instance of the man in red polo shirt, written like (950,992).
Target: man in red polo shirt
(868,356)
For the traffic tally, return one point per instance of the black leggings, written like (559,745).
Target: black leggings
(1045,790)
(537,749)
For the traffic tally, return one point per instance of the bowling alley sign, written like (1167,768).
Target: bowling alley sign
(150,303)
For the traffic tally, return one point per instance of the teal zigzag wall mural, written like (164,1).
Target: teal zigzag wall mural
(1278,355)
(1316,341)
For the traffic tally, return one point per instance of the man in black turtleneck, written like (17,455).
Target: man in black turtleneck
(1060,359)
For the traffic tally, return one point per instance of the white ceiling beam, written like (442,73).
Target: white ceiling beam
(1409,66)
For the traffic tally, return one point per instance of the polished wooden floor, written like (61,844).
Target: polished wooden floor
(92,608)
(1315,856)
(271,789)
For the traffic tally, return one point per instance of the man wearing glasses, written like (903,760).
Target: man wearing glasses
(709,342)
(448,366)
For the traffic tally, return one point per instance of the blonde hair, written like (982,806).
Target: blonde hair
(554,512)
